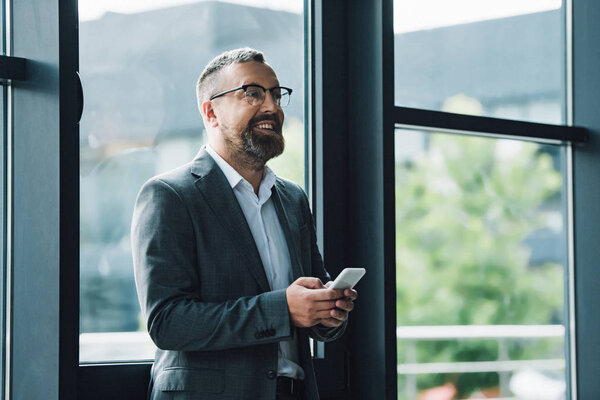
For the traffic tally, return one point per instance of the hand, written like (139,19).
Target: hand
(310,303)
(342,307)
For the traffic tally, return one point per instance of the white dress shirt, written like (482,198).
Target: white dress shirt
(270,242)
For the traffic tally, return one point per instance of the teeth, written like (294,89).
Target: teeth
(265,126)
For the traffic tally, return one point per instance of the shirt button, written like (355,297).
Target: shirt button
(271,374)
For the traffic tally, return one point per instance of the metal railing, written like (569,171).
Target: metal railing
(136,346)
(503,365)
(115,346)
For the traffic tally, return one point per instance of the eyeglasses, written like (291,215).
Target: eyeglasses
(255,94)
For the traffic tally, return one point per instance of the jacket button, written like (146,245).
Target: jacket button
(271,374)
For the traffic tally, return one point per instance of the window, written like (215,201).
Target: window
(139,64)
(501,58)
(482,213)
(43,120)
(481,265)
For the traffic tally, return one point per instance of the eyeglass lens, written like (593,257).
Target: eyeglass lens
(255,95)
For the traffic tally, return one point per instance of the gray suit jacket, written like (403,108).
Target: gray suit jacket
(203,289)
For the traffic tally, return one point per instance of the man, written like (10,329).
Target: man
(227,268)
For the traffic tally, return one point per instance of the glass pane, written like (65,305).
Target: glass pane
(3,231)
(497,58)
(139,63)
(481,253)
(2,27)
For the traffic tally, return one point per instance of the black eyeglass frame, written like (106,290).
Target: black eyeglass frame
(245,87)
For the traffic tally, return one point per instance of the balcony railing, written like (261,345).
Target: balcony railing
(137,346)
(115,347)
(504,366)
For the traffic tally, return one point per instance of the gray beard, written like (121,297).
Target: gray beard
(260,147)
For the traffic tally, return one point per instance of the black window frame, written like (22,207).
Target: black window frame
(352,176)
(569,136)
(357,199)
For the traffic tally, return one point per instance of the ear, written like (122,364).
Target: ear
(209,114)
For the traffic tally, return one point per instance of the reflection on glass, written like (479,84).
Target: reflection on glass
(481,253)
(506,57)
(139,62)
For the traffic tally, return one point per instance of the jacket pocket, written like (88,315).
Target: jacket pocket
(178,379)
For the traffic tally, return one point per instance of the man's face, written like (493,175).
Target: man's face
(250,131)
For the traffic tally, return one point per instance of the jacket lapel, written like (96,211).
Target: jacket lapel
(289,226)
(219,196)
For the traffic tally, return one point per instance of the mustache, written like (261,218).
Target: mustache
(266,117)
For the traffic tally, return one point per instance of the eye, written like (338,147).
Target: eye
(253,92)
(276,93)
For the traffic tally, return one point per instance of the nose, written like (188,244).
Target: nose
(269,104)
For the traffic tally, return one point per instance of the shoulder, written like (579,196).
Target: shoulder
(290,188)
(181,175)
(293,196)
(175,180)
(161,204)
(166,188)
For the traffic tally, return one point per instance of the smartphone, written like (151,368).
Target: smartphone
(348,278)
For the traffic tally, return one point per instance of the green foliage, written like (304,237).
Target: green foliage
(290,164)
(464,209)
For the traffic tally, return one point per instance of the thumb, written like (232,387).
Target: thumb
(309,282)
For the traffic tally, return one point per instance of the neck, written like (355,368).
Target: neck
(248,167)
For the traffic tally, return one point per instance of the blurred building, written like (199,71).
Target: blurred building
(140,94)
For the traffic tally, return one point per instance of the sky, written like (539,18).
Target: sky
(93,9)
(409,15)
(414,15)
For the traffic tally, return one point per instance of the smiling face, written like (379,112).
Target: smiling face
(247,134)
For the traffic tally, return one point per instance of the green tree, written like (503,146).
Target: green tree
(290,164)
(464,209)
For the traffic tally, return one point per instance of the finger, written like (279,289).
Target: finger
(351,293)
(326,294)
(322,314)
(328,284)
(339,314)
(309,282)
(331,322)
(345,305)
(326,305)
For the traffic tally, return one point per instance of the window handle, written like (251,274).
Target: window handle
(79,97)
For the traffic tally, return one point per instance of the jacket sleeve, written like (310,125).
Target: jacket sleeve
(319,332)
(165,265)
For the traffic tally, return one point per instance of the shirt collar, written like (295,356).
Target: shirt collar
(234,177)
(267,182)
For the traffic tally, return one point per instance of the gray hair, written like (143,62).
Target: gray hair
(207,81)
